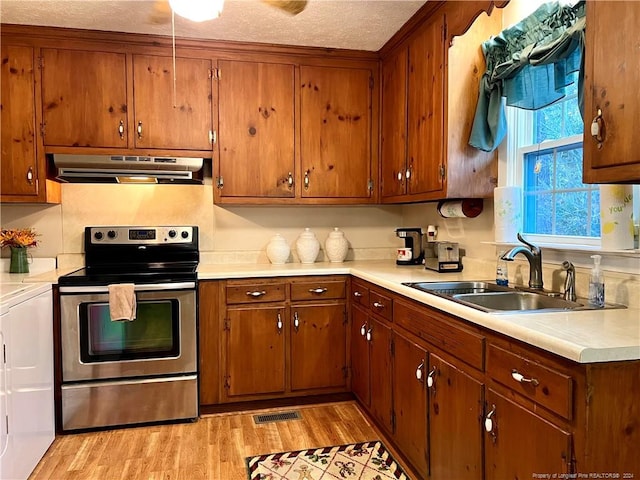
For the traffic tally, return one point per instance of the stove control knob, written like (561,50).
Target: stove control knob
(184,234)
(112,234)
(172,233)
(98,235)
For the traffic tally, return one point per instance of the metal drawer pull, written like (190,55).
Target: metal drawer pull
(431,380)
(378,305)
(279,324)
(419,371)
(518,377)
(296,321)
(121,129)
(369,335)
(357,294)
(30,176)
(363,329)
(256,293)
(139,130)
(318,290)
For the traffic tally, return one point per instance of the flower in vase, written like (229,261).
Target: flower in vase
(18,237)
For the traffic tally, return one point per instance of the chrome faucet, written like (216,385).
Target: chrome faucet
(570,281)
(534,255)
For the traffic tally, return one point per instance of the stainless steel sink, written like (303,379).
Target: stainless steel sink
(493,298)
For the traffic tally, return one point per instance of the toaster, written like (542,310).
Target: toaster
(442,257)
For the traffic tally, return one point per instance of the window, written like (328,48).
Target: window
(547,153)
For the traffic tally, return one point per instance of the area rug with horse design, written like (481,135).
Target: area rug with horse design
(359,461)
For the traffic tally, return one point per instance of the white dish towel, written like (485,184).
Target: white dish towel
(122,302)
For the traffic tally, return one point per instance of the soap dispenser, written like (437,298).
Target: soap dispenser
(596,284)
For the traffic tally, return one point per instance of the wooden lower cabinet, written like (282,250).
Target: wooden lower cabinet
(379,336)
(455,416)
(520,444)
(255,351)
(318,346)
(360,363)
(410,401)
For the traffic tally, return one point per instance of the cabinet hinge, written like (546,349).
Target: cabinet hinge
(442,172)
(392,347)
(227,385)
(345,317)
(43,129)
(227,325)
(219,182)
(41,62)
(371,82)
(345,371)
(393,420)
(370,186)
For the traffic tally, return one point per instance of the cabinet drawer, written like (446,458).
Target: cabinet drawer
(543,385)
(254,293)
(464,344)
(360,294)
(381,305)
(318,290)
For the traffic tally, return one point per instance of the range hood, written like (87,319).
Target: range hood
(126,169)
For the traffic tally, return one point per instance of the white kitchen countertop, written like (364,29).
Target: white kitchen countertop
(583,336)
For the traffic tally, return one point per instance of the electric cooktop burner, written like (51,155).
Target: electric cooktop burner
(137,255)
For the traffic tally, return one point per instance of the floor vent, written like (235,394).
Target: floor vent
(277,417)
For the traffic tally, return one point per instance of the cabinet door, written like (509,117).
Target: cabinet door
(611,86)
(19,162)
(360,355)
(172,114)
(255,351)
(256,123)
(84,98)
(335,112)
(380,372)
(394,125)
(455,414)
(520,443)
(410,401)
(426,108)
(318,346)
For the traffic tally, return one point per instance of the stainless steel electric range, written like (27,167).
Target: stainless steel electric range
(131,372)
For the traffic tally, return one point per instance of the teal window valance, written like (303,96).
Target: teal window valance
(529,64)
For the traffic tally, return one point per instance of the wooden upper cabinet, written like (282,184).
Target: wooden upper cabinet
(167,115)
(256,130)
(19,162)
(335,132)
(611,87)
(425,108)
(394,124)
(84,98)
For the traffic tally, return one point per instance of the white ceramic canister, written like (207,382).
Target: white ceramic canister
(336,246)
(307,246)
(278,250)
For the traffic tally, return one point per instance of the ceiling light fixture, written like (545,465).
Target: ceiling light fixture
(197,10)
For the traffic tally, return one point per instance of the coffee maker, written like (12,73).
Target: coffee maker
(412,253)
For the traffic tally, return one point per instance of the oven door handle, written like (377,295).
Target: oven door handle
(152,287)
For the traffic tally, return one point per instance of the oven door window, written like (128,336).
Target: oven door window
(153,334)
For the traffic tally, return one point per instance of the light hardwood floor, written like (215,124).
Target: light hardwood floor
(214,447)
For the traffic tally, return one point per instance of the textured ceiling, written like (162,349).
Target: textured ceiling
(354,24)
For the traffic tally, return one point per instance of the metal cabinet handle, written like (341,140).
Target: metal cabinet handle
(369,335)
(279,324)
(363,329)
(400,175)
(306,180)
(213,137)
(431,378)
(357,294)
(139,129)
(597,128)
(518,377)
(378,305)
(319,290)
(256,293)
(290,180)
(296,321)
(488,423)
(419,371)
(30,176)
(121,129)
(407,173)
